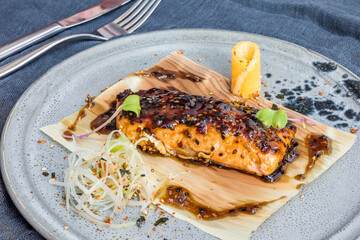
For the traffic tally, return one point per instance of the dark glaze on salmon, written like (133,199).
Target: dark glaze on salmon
(207,130)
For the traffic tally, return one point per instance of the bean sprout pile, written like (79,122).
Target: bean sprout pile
(99,184)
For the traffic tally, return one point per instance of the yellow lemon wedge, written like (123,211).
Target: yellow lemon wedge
(245,67)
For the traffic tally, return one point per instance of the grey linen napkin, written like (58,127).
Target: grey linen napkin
(330,27)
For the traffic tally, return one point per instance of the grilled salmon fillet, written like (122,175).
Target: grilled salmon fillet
(207,130)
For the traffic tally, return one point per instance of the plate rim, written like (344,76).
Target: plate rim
(6,178)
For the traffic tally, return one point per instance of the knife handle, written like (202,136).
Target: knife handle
(30,39)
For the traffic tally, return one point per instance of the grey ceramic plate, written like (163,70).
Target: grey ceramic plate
(330,207)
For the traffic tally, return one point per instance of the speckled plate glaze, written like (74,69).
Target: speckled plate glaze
(330,206)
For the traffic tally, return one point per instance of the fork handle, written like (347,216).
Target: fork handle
(30,39)
(19,63)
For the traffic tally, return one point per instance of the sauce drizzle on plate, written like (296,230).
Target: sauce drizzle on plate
(181,198)
(318,145)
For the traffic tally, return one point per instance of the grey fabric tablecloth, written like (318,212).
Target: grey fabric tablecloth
(330,27)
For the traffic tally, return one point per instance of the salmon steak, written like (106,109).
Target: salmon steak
(206,130)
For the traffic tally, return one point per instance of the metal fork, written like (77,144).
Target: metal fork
(127,23)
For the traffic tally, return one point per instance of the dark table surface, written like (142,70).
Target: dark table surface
(330,27)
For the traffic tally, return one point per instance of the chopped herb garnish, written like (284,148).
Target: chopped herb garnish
(274,107)
(280,96)
(267,95)
(161,221)
(45,174)
(123,172)
(272,118)
(140,221)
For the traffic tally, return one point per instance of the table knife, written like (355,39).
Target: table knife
(41,34)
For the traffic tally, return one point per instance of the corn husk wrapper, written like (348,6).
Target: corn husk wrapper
(219,188)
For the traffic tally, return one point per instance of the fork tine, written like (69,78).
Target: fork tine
(133,14)
(130,20)
(142,17)
(129,11)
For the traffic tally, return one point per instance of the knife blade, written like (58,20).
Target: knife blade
(41,34)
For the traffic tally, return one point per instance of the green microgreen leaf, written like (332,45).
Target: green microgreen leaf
(132,103)
(279,119)
(265,116)
(272,118)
